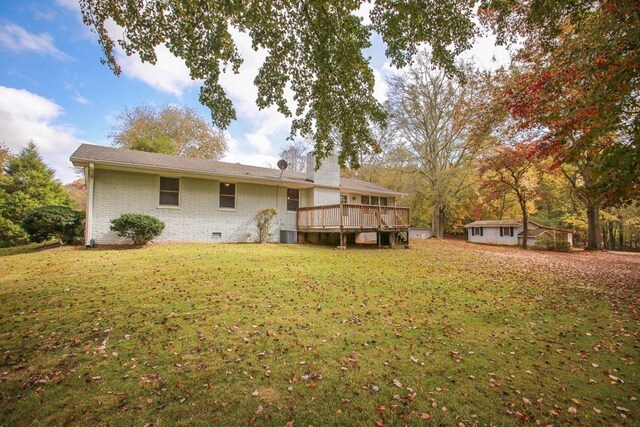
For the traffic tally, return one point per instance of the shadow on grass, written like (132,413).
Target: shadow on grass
(27,249)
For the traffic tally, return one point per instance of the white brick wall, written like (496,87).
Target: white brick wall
(324,196)
(197,217)
(327,174)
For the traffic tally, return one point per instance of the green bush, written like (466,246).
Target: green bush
(137,227)
(263,219)
(11,234)
(545,243)
(47,222)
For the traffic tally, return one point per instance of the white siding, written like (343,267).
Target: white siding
(491,236)
(197,217)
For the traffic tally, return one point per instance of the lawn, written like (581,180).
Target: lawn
(444,333)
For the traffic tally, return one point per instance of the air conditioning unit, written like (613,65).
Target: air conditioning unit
(288,236)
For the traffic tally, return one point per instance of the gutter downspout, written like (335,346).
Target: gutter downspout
(89,214)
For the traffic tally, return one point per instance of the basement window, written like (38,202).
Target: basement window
(169,191)
(227,195)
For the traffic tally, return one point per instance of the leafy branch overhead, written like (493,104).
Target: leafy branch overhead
(314,48)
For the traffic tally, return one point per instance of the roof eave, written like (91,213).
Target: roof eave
(81,162)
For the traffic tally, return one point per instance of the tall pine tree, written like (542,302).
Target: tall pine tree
(27,183)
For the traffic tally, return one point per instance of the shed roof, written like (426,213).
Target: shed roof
(119,157)
(495,223)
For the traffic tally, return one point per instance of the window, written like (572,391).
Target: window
(227,195)
(365,200)
(506,231)
(344,198)
(293,199)
(374,200)
(383,201)
(169,191)
(477,231)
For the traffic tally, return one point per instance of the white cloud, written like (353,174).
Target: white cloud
(25,115)
(381,87)
(81,99)
(486,54)
(17,39)
(364,11)
(169,74)
(69,4)
(237,153)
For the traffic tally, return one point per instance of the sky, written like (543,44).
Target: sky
(55,91)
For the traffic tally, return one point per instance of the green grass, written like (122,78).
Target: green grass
(191,332)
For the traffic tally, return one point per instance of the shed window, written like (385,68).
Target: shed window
(384,201)
(344,198)
(365,200)
(506,231)
(169,191)
(227,195)
(374,200)
(293,199)
(477,231)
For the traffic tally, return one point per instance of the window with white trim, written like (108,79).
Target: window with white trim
(169,191)
(227,195)
(364,200)
(293,199)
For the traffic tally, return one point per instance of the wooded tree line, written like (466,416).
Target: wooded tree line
(463,153)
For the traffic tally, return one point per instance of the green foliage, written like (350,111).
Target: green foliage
(547,243)
(137,227)
(47,222)
(314,48)
(10,233)
(168,130)
(263,220)
(162,145)
(27,183)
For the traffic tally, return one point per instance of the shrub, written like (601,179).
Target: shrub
(263,219)
(11,234)
(545,243)
(137,227)
(61,222)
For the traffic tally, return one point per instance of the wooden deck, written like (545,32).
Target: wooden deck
(352,218)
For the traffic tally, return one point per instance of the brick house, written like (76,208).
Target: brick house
(212,201)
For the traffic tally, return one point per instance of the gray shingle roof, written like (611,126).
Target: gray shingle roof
(99,154)
(495,223)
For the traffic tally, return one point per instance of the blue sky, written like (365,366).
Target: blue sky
(54,90)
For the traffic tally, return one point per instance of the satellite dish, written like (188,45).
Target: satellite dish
(282,164)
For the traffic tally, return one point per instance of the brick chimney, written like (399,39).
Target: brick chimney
(326,179)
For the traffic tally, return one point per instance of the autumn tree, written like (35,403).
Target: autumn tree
(168,130)
(576,82)
(511,168)
(432,118)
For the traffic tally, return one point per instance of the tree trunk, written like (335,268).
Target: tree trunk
(593,220)
(437,221)
(621,236)
(525,225)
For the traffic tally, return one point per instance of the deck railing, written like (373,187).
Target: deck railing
(353,217)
